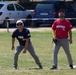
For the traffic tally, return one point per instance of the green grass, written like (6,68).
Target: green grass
(42,42)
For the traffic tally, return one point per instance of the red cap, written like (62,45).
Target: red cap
(61,10)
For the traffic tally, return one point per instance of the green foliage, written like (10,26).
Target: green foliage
(42,42)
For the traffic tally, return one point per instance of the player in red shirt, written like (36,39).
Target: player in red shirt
(61,29)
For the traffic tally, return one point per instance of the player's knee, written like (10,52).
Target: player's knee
(35,56)
(16,54)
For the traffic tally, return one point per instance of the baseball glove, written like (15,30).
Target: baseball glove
(55,40)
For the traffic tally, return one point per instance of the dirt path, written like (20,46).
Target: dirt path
(31,29)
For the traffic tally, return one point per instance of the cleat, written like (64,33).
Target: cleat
(15,67)
(71,67)
(40,67)
(53,68)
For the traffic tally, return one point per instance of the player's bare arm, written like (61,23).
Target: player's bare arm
(13,40)
(70,36)
(26,45)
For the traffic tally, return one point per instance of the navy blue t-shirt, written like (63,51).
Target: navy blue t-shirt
(21,35)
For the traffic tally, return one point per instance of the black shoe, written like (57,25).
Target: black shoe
(15,67)
(40,67)
(71,66)
(53,68)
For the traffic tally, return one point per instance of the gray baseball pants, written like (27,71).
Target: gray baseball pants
(64,43)
(19,48)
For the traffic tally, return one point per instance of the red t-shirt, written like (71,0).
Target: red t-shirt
(61,27)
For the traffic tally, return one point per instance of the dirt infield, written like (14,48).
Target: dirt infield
(31,29)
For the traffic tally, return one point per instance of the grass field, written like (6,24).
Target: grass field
(43,45)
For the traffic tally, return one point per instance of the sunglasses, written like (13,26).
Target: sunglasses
(19,24)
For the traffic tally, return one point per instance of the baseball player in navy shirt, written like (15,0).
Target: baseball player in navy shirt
(23,36)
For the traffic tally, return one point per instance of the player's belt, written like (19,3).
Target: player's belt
(62,38)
